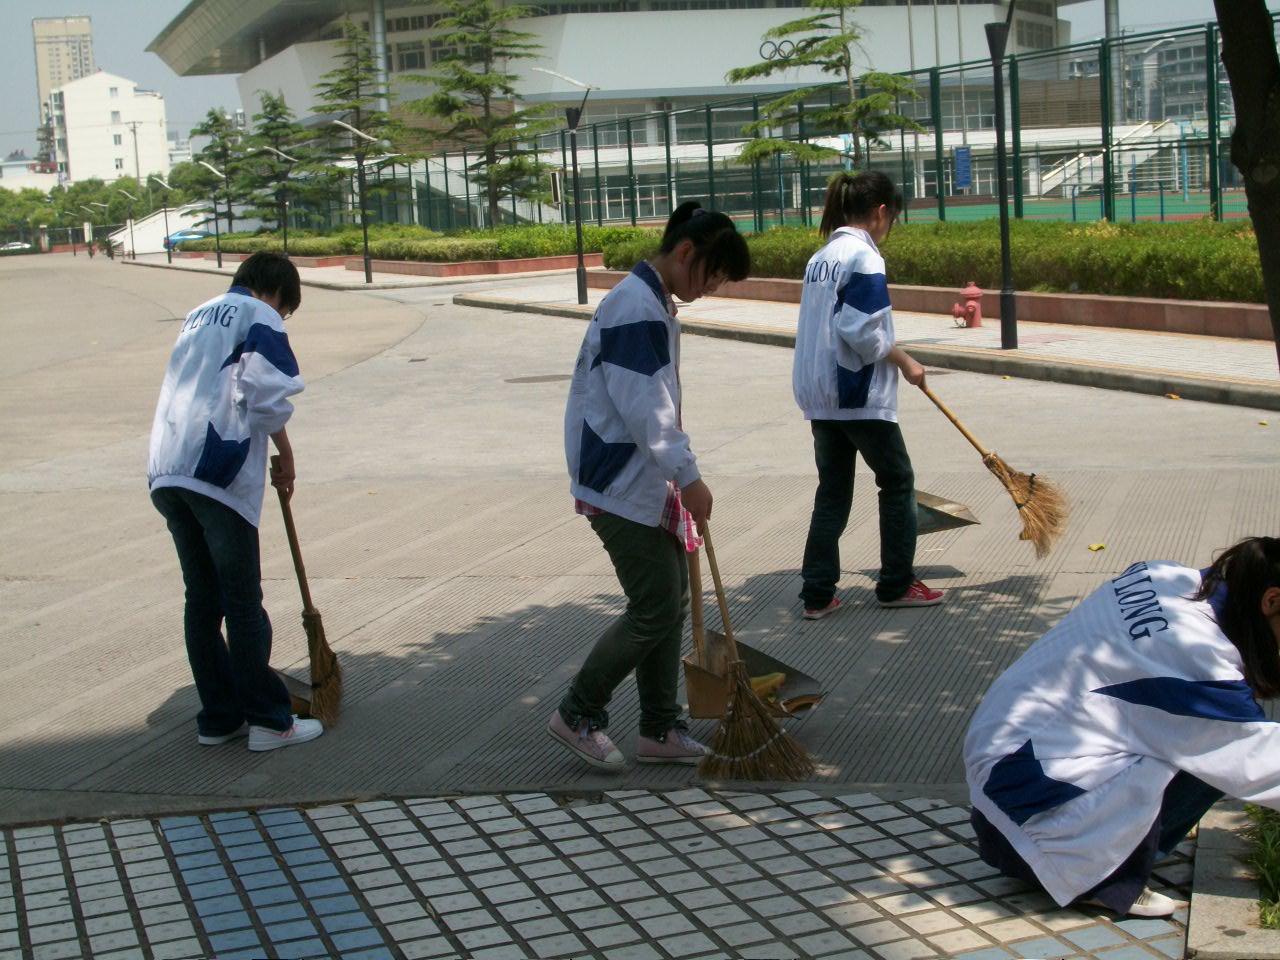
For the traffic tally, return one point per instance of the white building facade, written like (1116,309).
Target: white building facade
(106,127)
(639,54)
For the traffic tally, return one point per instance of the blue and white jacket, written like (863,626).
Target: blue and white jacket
(1070,752)
(225,392)
(622,435)
(844,334)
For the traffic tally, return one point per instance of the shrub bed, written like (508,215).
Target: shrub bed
(400,242)
(1198,260)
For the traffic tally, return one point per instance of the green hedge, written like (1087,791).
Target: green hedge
(1195,260)
(402,242)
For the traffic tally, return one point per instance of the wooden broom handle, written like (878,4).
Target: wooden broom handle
(956,420)
(293,541)
(715,576)
(695,607)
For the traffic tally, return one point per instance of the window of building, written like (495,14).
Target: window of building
(119,163)
(113,91)
(411,56)
(402,24)
(115,116)
(117,139)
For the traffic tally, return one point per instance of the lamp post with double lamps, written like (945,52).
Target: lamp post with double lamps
(133,247)
(217,234)
(164,200)
(103,207)
(281,193)
(574,116)
(364,214)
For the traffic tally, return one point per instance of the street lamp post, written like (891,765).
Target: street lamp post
(364,218)
(168,250)
(217,233)
(103,206)
(997,40)
(283,195)
(574,116)
(133,247)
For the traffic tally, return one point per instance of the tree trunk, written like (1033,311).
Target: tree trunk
(1249,54)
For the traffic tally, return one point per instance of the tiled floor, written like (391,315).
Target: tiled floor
(630,875)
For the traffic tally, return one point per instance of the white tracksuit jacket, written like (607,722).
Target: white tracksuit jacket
(1070,752)
(225,392)
(844,334)
(622,435)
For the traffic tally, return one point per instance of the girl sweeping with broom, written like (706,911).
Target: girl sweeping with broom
(845,379)
(1111,737)
(635,477)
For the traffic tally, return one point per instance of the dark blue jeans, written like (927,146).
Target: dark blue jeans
(218,552)
(1186,799)
(836,444)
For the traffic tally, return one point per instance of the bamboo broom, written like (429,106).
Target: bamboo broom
(748,744)
(1040,502)
(326,672)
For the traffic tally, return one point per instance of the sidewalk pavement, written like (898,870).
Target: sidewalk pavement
(461,593)
(624,875)
(1192,367)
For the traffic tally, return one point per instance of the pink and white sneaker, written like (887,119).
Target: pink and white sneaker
(821,612)
(675,747)
(302,731)
(593,746)
(917,595)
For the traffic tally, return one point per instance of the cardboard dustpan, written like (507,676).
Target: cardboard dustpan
(706,672)
(934,514)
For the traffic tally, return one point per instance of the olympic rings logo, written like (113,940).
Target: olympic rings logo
(777,51)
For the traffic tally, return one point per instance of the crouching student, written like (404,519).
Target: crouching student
(226,391)
(634,476)
(1100,749)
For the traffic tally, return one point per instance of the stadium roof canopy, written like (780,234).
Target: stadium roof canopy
(228,36)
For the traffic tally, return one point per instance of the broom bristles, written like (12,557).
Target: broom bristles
(749,744)
(1040,502)
(326,672)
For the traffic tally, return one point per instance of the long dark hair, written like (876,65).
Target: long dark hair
(853,197)
(717,245)
(1248,570)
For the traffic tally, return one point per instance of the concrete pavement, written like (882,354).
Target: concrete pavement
(461,594)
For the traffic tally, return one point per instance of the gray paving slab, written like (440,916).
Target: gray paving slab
(461,594)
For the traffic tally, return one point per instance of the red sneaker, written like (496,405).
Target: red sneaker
(821,612)
(917,595)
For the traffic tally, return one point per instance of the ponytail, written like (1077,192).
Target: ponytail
(717,245)
(1245,572)
(852,198)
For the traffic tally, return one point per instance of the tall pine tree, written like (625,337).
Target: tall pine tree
(825,40)
(224,151)
(264,174)
(473,89)
(351,93)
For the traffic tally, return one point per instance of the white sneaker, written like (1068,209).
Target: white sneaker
(264,738)
(1152,904)
(1148,904)
(236,734)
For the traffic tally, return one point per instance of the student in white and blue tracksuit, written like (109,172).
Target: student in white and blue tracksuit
(845,379)
(634,476)
(1106,742)
(226,391)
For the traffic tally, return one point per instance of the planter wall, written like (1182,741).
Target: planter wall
(1242,320)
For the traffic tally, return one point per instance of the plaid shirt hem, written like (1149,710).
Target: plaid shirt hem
(676,520)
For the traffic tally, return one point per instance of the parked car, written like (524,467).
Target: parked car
(16,245)
(174,239)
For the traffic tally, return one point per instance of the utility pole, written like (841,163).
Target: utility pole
(137,167)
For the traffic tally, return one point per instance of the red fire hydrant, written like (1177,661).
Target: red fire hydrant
(970,314)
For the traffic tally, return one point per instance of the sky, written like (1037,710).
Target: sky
(122,29)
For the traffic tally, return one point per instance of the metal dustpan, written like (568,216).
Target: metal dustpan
(706,672)
(934,514)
